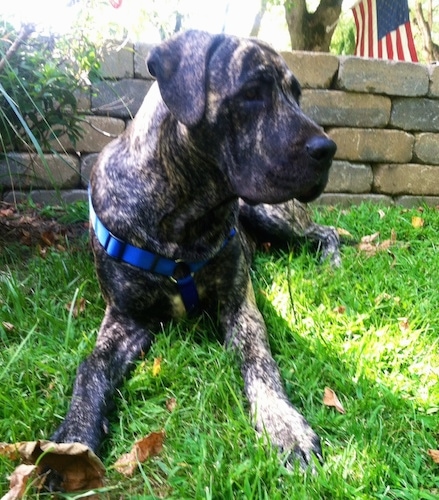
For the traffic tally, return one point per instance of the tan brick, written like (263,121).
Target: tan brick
(434,80)
(415,114)
(22,171)
(47,196)
(120,99)
(117,61)
(312,69)
(417,201)
(372,145)
(345,177)
(98,132)
(383,77)
(426,148)
(347,200)
(344,109)
(414,179)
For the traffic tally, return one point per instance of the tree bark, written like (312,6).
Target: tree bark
(312,31)
(25,31)
(258,19)
(431,49)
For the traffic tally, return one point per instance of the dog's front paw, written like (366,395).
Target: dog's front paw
(290,433)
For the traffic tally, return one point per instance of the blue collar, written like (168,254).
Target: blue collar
(148,261)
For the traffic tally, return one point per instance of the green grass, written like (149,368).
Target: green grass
(369,331)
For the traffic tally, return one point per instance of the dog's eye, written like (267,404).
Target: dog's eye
(295,89)
(253,93)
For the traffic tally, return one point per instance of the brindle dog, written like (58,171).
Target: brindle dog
(219,143)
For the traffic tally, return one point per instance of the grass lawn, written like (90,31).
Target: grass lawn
(368,330)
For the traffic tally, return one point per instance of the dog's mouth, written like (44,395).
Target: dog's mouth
(282,191)
(315,191)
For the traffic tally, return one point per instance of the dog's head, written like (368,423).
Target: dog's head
(241,95)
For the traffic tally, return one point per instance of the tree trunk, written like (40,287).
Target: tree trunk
(258,19)
(431,49)
(312,31)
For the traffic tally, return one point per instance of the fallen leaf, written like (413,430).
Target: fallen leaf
(370,248)
(77,466)
(382,214)
(147,447)
(339,309)
(18,481)
(370,238)
(417,222)
(8,326)
(26,238)
(157,366)
(171,404)
(6,212)
(331,399)
(404,325)
(266,246)
(434,454)
(344,232)
(78,308)
(42,251)
(48,238)
(9,451)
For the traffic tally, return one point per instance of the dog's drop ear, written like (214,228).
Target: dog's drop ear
(179,65)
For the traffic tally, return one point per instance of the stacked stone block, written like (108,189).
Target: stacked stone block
(383,115)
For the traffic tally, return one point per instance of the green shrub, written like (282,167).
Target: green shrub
(39,88)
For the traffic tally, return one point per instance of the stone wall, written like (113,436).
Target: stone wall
(384,117)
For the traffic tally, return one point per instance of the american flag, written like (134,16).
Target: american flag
(384,30)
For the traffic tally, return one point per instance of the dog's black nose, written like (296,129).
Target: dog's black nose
(321,149)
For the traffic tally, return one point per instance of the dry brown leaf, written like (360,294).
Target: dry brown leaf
(417,222)
(157,366)
(434,454)
(339,309)
(18,482)
(266,246)
(147,447)
(48,238)
(404,325)
(171,404)
(370,238)
(78,466)
(331,399)
(10,451)
(370,248)
(344,232)
(26,238)
(6,212)
(8,326)
(78,308)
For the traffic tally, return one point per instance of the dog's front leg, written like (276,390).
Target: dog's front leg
(121,340)
(271,410)
(287,221)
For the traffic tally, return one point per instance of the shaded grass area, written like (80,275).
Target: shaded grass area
(368,330)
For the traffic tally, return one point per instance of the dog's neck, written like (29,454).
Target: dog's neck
(196,209)
(200,201)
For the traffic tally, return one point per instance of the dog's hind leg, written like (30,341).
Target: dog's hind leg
(271,410)
(121,340)
(286,222)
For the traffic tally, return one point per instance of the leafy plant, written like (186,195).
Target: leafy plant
(39,86)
